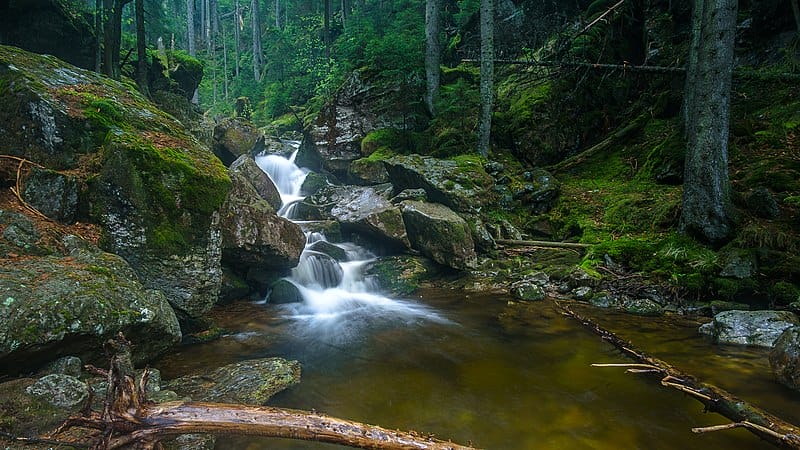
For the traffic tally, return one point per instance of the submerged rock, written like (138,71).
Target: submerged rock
(761,328)
(784,359)
(440,234)
(527,290)
(250,382)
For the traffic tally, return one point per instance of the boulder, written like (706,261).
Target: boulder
(527,290)
(20,236)
(540,191)
(71,305)
(367,172)
(461,184)
(365,102)
(401,274)
(61,391)
(760,328)
(246,166)
(253,235)
(440,234)
(332,250)
(54,194)
(361,209)
(49,27)
(284,291)
(152,187)
(249,382)
(234,137)
(784,359)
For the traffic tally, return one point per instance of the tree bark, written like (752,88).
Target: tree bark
(141,49)
(237,23)
(796,14)
(706,203)
(432,53)
(326,30)
(761,423)
(98,31)
(487,76)
(190,38)
(257,52)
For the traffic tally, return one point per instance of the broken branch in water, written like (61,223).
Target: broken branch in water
(129,421)
(745,415)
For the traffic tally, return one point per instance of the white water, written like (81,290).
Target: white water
(339,302)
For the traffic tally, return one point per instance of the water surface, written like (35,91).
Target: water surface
(479,370)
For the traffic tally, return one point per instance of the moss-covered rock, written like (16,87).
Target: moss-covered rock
(246,166)
(784,359)
(54,306)
(234,137)
(440,234)
(150,184)
(401,274)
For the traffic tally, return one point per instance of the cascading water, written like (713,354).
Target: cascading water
(339,302)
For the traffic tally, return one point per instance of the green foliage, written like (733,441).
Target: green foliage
(453,128)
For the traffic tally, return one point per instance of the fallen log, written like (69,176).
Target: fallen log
(743,414)
(549,244)
(129,421)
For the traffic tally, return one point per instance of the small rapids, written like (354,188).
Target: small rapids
(339,301)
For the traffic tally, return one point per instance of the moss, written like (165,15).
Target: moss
(391,140)
(104,271)
(784,293)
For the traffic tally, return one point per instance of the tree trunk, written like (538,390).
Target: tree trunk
(224,62)
(141,49)
(796,13)
(487,76)
(190,38)
(112,36)
(98,38)
(237,23)
(706,203)
(257,56)
(432,53)
(345,13)
(278,14)
(326,22)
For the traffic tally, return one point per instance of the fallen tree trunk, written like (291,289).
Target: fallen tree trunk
(128,421)
(744,415)
(621,133)
(549,244)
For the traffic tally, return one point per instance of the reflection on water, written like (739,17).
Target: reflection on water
(510,377)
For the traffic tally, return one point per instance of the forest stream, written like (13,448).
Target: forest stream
(498,374)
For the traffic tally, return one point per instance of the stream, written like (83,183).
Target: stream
(475,368)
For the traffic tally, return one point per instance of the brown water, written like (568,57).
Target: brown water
(497,375)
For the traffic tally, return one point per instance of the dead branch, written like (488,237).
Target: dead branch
(599,18)
(128,420)
(623,132)
(597,66)
(761,423)
(17,189)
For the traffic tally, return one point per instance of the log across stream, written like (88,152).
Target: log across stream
(498,376)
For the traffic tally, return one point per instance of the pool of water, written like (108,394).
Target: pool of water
(478,369)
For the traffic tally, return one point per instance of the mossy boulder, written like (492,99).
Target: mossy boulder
(69,305)
(784,359)
(149,183)
(249,382)
(440,234)
(460,183)
(253,235)
(366,171)
(246,166)
(401,274)
(284,291)
(234,137)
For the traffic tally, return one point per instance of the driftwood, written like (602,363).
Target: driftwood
(744,415)
(129,421)
(549,244)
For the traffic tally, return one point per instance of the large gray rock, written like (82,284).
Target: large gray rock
(54,194)
(760,328)
(53,306)
(246,166)
(149,183)
(361,209)
(462,185)
(250,382)
(784,359)
(253,235)
(440,234)
(362,104)
(234,137)
(61,391)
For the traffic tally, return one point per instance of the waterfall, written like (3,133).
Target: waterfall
(338,300)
